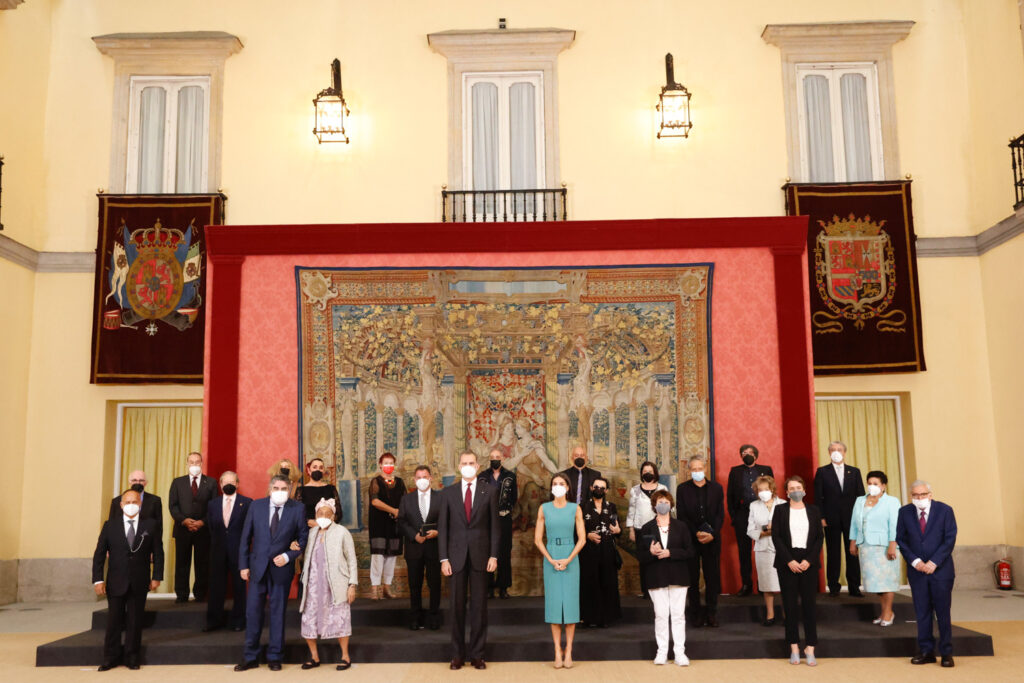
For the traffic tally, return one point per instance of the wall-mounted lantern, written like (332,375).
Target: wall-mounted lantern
(674,105)
(331,110)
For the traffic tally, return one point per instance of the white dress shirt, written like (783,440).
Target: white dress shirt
(228,506)
(798,527)
(424,499)
(840,472)
(472,487)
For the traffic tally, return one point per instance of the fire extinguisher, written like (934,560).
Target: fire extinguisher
(1004,574)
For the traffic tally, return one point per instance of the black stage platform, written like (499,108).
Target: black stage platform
(517,632)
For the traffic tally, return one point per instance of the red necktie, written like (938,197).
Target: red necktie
(195,487)
(923,522)
(469,502)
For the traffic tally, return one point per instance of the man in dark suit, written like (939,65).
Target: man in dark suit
(128,544)
(188,502)
(837,486)
(739,495)
(152,506)
(226,517)
(417,521)
(581,477)
(468,538)
(700,502)
(267,562)
(926,534)
(504,482)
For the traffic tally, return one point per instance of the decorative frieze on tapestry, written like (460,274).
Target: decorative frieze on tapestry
(150,288)
(861,248)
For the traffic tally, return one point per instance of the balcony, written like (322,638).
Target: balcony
(503,206)
(1017,160)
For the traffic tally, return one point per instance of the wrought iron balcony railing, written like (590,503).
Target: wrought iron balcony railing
(1017,159)
(503,206)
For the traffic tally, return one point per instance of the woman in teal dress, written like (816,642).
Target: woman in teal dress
(561,566)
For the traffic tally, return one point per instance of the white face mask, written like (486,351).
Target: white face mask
(764,495)
(836,456)
(131,509)
(195,470)
(468,471)
(874,490)
(278,497)
(324,522)
(559,491)
(923,503)
(697,476)
(423,484)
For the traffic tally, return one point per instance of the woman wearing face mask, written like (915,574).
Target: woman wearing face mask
(759,528)
(285,468)
(561,519)
(873,540)
(386,491)
(640,509)
(317,486)
(329,579)
(797,537)
(599,559)
(663,547)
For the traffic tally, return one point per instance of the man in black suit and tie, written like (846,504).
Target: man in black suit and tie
(581,477)
(188,503)
(417,520)
(152,506)
(468,538)
(739,495)
(837,486)
(226,516)
(700,502)
(128,544)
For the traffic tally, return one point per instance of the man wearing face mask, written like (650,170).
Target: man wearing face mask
(127,545)
(926,535)
(581,477)
(152,506)
(700,503)
(417,521)
(504,482)
(837,486)
(226,516)
(188,502)
(468,537)
(266,560)
(739,495)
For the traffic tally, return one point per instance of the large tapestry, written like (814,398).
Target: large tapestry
(865,306)
(149,295)
(424,363)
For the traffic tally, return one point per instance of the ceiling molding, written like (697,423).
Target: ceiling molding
(46,261)
(972,245)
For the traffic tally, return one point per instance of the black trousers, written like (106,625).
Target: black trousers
(223,573)
(191,545)
(708,556)
(124,612)
(837,543)
(475,580)
(418,567)
(744,545)
(503,577)
(802,589)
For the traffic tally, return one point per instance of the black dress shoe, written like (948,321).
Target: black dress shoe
(712,621)
(274,666)
(947,660)
(309,664)
(922,658)
(180,600)
(245,666)
(856,594)
(503,594)
(106,667)
(211,627)
(238,628)
(479,664)
(744,591)
(133,667)
(456,664)
(768,622)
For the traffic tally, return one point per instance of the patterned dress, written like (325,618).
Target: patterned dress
(321,617)
(879,573)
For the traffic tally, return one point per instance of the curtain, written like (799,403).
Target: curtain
(157,441)
(522,116)
(853,89)
(191,115)
(820,165)
(485,142)
(151,140)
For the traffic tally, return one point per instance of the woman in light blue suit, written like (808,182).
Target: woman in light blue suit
(873,539)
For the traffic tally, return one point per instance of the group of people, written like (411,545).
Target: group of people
(463,531)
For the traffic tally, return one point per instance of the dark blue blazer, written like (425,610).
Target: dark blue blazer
(936,545)
(227,540)
(258,550)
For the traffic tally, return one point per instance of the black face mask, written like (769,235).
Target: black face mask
(495,464)
(138,487)
(316,475)
(579,462)
(648,477)
(748,460)
(285,471)
(597,493)
(229,489)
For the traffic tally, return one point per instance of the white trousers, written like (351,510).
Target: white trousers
(670,609)
(382,566)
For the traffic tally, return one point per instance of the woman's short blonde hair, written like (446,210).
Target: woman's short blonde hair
(764,479)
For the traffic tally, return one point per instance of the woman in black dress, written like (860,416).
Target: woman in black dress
(317,486)
(599,569)
(386,491)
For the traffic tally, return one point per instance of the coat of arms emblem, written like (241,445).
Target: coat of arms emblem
(855,272)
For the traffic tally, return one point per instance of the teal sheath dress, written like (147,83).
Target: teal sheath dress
(561,588)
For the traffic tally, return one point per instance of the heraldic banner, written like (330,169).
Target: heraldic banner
(148,304)
(865,307)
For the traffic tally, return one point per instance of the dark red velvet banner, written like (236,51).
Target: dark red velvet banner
(862,262)
(150,290)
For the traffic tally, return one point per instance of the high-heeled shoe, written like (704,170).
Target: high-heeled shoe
(809,656)
(567,660)
(387,592)
(883,622)
(558,659)
(375,592)
(794,657)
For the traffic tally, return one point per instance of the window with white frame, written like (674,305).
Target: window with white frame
(840,123)
(168,130)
